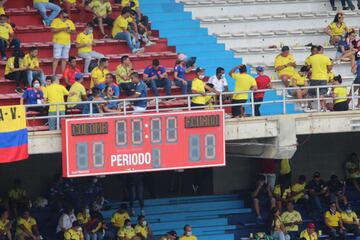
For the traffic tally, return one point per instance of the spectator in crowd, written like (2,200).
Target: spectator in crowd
(139,106)
(350,220)
(69,4)
(48,81)
(119,217)
(102,14)
(96,107)
(337,29)
(122,73)
(317,191)
(66,221)
(298,81)
(268,170)
(198,86)
(74,232)
(142,228)
(110,106)
(243,82)
(188,235)
(343,3)
(98,74)
(54,94)
(355,69)
(336,190)
(70,71)
(2,10)
(262,196)
(14,70)
(218,80)
(62,28)
(291,220)
(263,82)
(179,76)
(340,94)
(7,37)
(83,219)
(43,6)
(99,203)
(135,185)
(33,95)
(298,190)
(352,170)
(276,226)
(84,45)
(346,51)
(309,233)
(320,66)
(156,76)
(140,28)
(334,224)
(31,64)
(285,65)
(109,82)
(27,227)
(120,31)
(282,194)
(5,225)
(18,198)
(97,226)
(171,235)
(285,172)
(127,232)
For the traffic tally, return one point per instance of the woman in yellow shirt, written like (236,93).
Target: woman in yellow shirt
(276,226)
(14,70)
(340,95)
(336,29)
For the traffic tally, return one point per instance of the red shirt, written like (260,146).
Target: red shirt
(69,73)
(262,83)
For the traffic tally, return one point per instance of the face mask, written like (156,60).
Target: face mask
(222,76)
(79,229)
(87,211)
(188,233)
(128,226)
(201,77)
(348,211)
(36,85)
(89,32)
(144,223)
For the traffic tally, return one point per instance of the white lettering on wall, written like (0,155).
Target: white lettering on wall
(132,159)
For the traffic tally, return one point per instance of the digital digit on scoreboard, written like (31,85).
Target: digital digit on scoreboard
(82,129)
(202,121)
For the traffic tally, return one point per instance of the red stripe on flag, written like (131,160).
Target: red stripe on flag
(13,154)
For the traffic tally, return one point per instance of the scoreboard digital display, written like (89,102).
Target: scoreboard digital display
(141,143)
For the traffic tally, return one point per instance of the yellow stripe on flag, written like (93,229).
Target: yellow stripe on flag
(12,118)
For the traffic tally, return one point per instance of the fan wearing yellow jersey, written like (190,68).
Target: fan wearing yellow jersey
(43,6)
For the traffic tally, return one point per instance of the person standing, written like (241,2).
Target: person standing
(77,92)
(70,71)
(62,28)
(198,86)
(340,94)
(219,81)
(43,6)
(263,82)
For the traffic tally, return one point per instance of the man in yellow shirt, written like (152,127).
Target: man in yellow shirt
(198,86)
(120,31)
(102,14)
(62,28)
(122,73)
(5,225)
(43,6)
(84,44)
(27,227)
(285,65)
(127,232)
(309,233)
(53,94)
(188,235)
(98,74)
(18,198)
(7,38)
(334,223)
(77,92)
(142,229)
(350,220)
(32,65)
(298,190)
(291,219)
(75,232)
(340,94)
(118,220)
(243,82)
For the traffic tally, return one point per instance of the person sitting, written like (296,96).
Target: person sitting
(340,94)
(317,191)
(83,218)
(2,10)
(102,14)
(309,233)
(285,65)
(282,194)
(122,73)
(66,222)
(31,64)
(188,235)
(33,95)
(198,86)
(14,70)
(120,31)
(350,220)
(275,225)
(139,106)
(109,82)
(352,171)
(346,51)
(127,232)
(84,44)
(77,92)
(98,74)
(97,226)
(26,227)
(74,233)
(142,228)
(299,192)
(5,225)
(18,198)
(171,235)
(7,37)
(334,224)
(336,190)
(96,107)
(262,195)
(110,106)
(292,220)
(337,29)
(43,6)
(139,28)
(70,71)
(179,76)
(119,217)
(297,81)
(155,76)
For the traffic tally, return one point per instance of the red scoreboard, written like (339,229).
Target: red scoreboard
(142,143)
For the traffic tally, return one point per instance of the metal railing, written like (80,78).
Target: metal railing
(158,104)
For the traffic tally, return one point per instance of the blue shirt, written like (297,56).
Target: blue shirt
(31,95)
(180,71)
(140,88)
(358,68)
(111,105)
(114,87)
(150,71)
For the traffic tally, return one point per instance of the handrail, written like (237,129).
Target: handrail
(219,104)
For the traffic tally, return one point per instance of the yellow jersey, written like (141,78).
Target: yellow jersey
(9,68)
(297,189)
(122,70)
(4,225)
(55,94)
(99,75)
(41,1)
(307,236)
(299,80)
(198,85)
(341,93)
(2,11)
(83,38)
(100,9)
(332,219)
(126,3)
(291,217)
(192,237)
(319,66)
(71,234)
(63,37)
(284,195)
(120,25)
(331,76)
(142,230)
(31,62)
(5,31)
(349,217)
(82,218)
(129,233)
(337,30)
(243,82)
(27,223)
(281,61)
(118,219)
(17,194)
(285,166)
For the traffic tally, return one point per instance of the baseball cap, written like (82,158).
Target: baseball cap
(172,233)
(78,76)
(285,48)
(199,69)
(311,225)
(259,68)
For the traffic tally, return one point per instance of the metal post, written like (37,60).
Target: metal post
(252,104)
(189,102)
(124,105)
(352,97)
(157,104)
(284,100)
(318,98)
(57,117)
(221,100)
(91,108)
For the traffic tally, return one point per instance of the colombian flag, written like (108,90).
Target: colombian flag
(13,134)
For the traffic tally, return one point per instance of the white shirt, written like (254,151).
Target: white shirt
(65,222)
(218,84)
